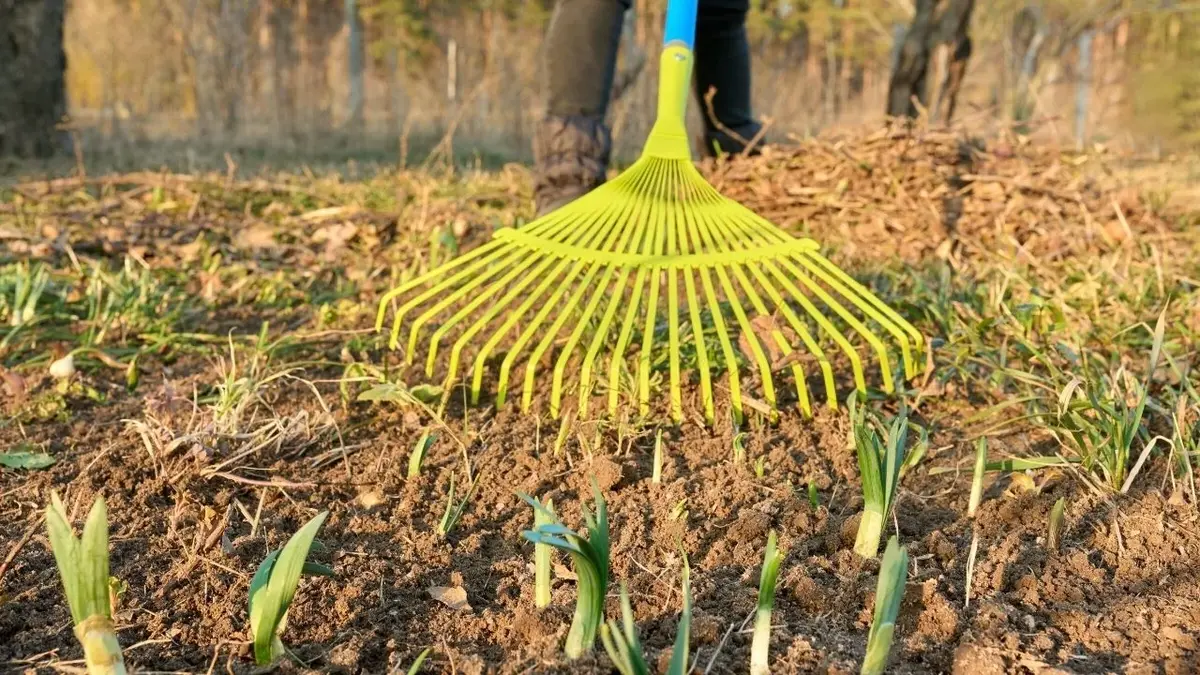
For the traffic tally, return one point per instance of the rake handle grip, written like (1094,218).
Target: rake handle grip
(680,23)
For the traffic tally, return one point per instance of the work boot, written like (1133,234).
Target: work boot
(572,145)
(571,157)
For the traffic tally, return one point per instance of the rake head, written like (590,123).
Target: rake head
(655,263)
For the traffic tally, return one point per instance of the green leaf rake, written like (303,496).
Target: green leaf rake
(584,287)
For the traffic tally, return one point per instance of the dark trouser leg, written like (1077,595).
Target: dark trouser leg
(723,63)
(572,146)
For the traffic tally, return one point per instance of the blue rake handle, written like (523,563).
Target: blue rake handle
(681,22)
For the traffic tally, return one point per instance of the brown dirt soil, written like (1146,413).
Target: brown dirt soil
(1121,594)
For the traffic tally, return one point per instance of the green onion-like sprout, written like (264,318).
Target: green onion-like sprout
(879,463)
(759,647)
(621,642)
(590,559)
(542,556)
(274,586)
(893,574)
(83,567)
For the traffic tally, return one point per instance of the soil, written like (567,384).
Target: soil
(1120,594)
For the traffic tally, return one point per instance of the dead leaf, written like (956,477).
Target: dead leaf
(370,499)
(335,237)
(563,572)
(258,235)
(454,597)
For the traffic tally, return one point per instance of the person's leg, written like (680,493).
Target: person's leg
(723,63)
(572,145)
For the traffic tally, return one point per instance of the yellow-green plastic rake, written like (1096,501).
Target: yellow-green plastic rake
(580,284)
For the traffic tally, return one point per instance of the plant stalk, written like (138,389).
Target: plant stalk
(101,651)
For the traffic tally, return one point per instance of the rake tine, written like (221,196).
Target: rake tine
(585,371)
(514,316)
(706,390)
(917,339)
(885,361)
(672,226)
(825,324)
(761,309)
(481,298)
(764,367)
(527,334)
(409,285)
(658,231)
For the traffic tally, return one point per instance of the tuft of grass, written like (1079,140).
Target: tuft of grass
(454,511)
(274,586)
(893,575)
(879,464)
(1099,416)
(590,559)
(83,567)
(761,643)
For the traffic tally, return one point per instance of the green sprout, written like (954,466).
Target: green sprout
(977,477)
(656,478)
(590,559)
(893,574)
(454,511)
(761,643)
(739,447)
(274,586)
(622,644)
(814,499)
(879,463)
(417,458)
(83,568)
(683,634)
(543,555)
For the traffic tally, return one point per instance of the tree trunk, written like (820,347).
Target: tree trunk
(952,30)
(930,28)
(33,97)
(354,57)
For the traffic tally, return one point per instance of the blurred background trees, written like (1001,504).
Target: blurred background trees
(330,75)
(32,91)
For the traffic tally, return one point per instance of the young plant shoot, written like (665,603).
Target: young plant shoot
(656,477)
(879,463)
(417,458)
(977,476)
(893,574)
(1057,516)
(759,662)
(543,556)
(274,586)
(622,644)
(683,634)
(590,559)
(83,568)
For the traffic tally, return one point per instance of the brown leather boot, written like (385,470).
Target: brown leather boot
(571,157)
